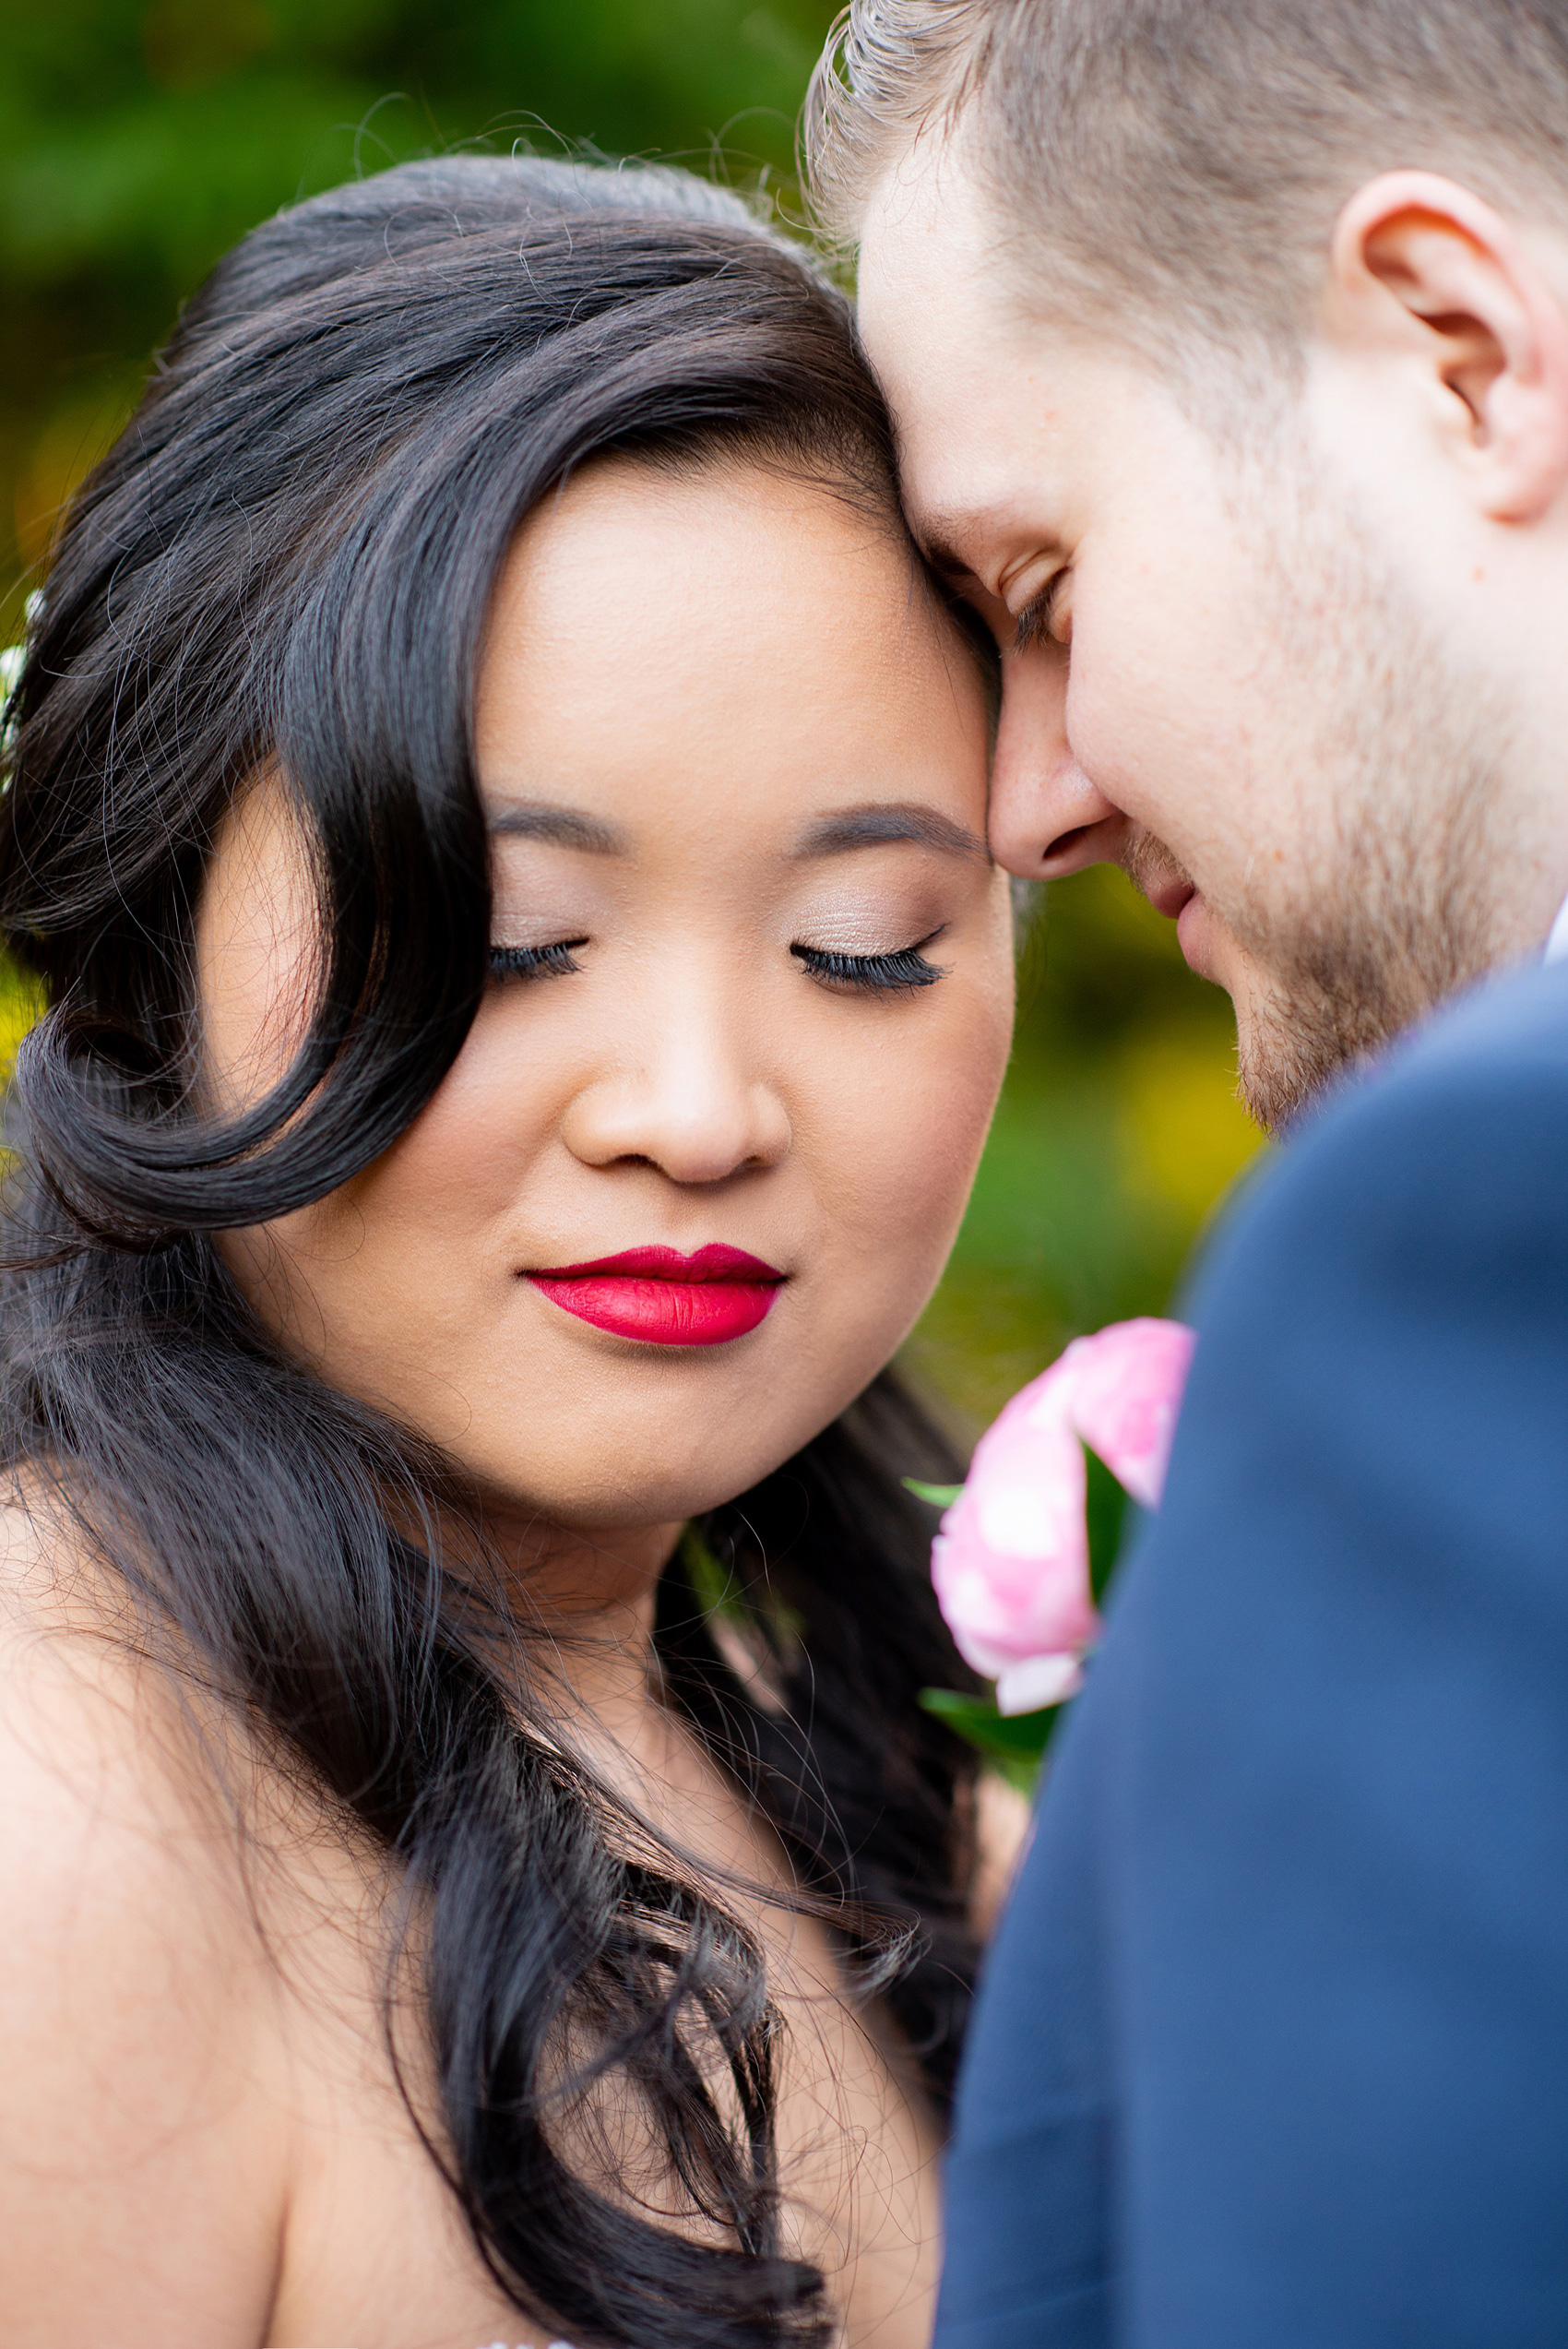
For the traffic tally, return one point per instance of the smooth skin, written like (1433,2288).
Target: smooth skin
(1299,671)
(721,718)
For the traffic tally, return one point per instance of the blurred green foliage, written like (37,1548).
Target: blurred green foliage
(139,138)
(1118,1132)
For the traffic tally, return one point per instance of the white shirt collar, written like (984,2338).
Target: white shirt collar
(1557,945)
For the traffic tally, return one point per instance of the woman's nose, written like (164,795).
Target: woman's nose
(1046,817)
(686,1103)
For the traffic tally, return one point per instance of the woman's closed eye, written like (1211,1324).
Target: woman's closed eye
(891,973)
(534,961)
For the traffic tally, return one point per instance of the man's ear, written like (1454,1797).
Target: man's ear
(1424,263)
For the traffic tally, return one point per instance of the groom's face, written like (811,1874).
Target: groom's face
(1210,673)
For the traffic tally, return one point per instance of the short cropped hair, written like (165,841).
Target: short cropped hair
(1187,159)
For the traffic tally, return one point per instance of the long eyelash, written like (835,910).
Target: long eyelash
(533,961)
(877,974)
(1034,621)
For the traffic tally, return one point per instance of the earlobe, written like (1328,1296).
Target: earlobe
(1426,260)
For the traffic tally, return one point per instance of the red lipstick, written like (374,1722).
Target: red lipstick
(664,1298)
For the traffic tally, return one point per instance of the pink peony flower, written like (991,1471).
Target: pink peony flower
(1011,1563)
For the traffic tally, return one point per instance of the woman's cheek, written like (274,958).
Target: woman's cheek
(911,1147)
(391,1282)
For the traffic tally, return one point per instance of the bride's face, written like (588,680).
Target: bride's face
(751,1004)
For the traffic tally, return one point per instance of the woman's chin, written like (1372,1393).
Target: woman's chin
(615,1448)
(639,1504)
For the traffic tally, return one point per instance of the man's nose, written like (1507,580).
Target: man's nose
(1046,817)
(685,1098)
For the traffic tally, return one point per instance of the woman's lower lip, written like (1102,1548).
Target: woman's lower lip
(661,1312)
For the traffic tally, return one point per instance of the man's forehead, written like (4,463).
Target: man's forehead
(1005,415)
(924,255)
(978,415)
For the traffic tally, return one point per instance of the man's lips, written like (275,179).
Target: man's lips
(1174,895)
(664,1298)
(1196,937)
(1169,893)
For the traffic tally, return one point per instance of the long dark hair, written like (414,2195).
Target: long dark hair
(286,560)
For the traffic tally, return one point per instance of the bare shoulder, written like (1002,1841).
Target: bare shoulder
(92,1731)
(139,2193)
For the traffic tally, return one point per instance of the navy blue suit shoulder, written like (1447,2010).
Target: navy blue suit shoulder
(1272,2048)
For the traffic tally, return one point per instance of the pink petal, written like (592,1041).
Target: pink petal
(1126,1393)
(1038,1681)
(1011,1563)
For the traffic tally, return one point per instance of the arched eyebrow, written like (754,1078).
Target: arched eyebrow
(880,822)
(562,827)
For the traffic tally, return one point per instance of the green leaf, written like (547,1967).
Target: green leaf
(754,1609)
(1012,1743)
(1106,1513)
(939,1496)
(713,1586)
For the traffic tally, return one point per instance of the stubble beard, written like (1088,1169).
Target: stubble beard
(1391,902)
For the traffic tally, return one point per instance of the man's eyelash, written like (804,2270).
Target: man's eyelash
(533,961)
(893,973)
(1033,622)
